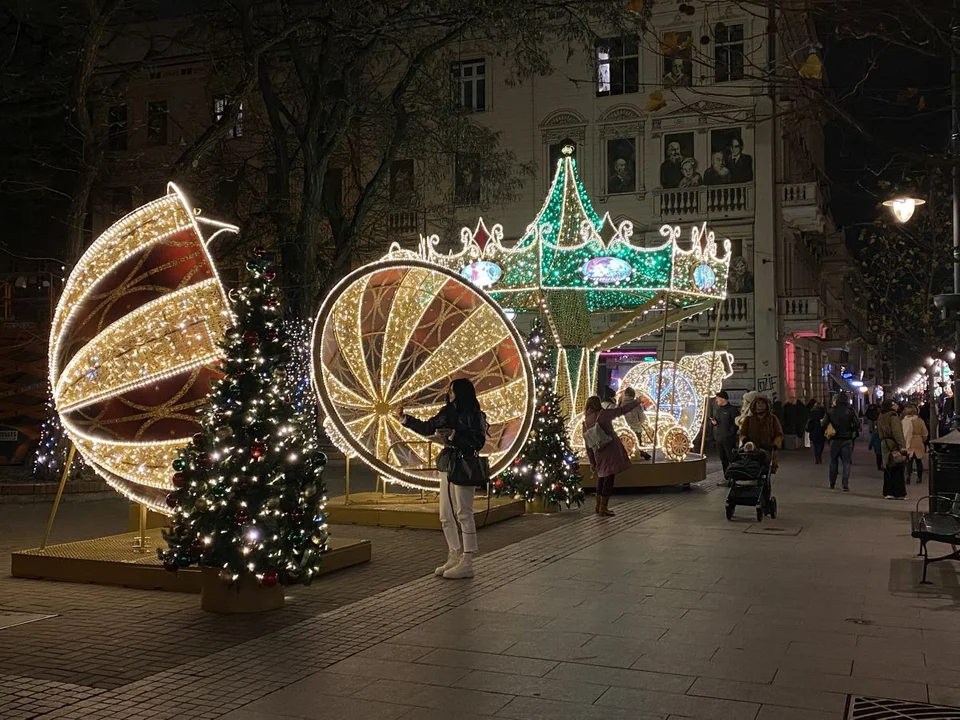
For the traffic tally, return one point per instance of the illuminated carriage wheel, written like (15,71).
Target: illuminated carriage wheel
(676,444)
(392,335)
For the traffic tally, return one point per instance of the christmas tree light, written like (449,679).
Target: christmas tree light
(249,496)
(547,468)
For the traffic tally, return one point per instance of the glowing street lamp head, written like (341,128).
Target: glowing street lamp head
(903,207)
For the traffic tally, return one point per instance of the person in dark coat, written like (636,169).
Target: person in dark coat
(815,428)
(890,428)
(724,428)
(463,425)
(846,428)
(612,458)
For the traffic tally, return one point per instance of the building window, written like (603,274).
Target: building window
(119,202)
(117,127)
(621,165)
(618,66)
(728,52)
(157,122)
(220,107)
(402,188)
(154,73)
(471,84)
(186,71)
(466,189)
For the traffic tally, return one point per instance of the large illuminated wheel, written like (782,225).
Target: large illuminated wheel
(134,346)
(392,335)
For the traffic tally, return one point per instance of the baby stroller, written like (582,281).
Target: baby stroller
(749,477)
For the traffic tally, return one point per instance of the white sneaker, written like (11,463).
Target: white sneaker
(453,559)
(463,569)
(888,497)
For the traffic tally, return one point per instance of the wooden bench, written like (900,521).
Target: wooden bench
(941,524)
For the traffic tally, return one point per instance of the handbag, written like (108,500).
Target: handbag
(595,437)
(898,458)
(829,431)
(447,458)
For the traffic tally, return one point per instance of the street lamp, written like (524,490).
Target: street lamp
(903,206)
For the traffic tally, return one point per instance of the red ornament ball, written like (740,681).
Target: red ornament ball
(258,449)
(273,303)
(251,338)
(179,480)
(498,483)
(204,462)
(259,252)
(172,501)
(270,275)
(543,408)
(270,578)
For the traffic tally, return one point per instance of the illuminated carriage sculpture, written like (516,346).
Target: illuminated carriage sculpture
(570,265)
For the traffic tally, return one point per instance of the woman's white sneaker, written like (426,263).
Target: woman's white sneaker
(453,559)
(463,569)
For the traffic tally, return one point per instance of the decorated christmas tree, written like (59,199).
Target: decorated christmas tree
(249,495)
(546,468)
(53,447)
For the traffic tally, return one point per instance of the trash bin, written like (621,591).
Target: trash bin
(945,464)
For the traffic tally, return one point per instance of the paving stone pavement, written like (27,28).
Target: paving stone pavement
(665,611)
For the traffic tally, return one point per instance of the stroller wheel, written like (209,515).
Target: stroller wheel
(730,509)
(759,514)
(773,508)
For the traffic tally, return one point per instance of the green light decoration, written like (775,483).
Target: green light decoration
(562,265)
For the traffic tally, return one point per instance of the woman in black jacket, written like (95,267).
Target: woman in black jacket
(464,427)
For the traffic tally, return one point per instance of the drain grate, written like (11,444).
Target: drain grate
(11,618)
(867,708)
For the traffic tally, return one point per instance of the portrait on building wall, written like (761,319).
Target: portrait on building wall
(677,147)
(621,165)
(726,145)
(740,280)
(677,51)
(402,191)
(467,181)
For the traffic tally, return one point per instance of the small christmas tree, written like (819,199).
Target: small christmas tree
(546,468)
(53,447)
(249,495)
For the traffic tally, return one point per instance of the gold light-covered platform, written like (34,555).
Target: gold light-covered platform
(113,560)
(662,473)
(373,509)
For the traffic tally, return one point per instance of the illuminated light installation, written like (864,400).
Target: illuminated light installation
(563,266)
(683,391)
(571,263)
(482,273)
(392,335)
(134,345)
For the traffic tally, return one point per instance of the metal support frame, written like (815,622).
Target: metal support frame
(663,351)
(713,368)
(56,501)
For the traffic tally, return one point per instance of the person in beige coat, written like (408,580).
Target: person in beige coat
(915,439)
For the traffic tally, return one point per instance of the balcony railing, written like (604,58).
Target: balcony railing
(403,223)
(802,206)
(801,308)
(737,313)
(716,201)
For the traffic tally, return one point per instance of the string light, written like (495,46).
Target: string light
(391,335)
(133,346)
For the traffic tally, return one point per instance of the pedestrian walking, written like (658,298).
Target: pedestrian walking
(762,428)
(605,451)
(893,449)
(464,427)
(914,440)
(815,429)
(841,427)
(724,422)
(875,446)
